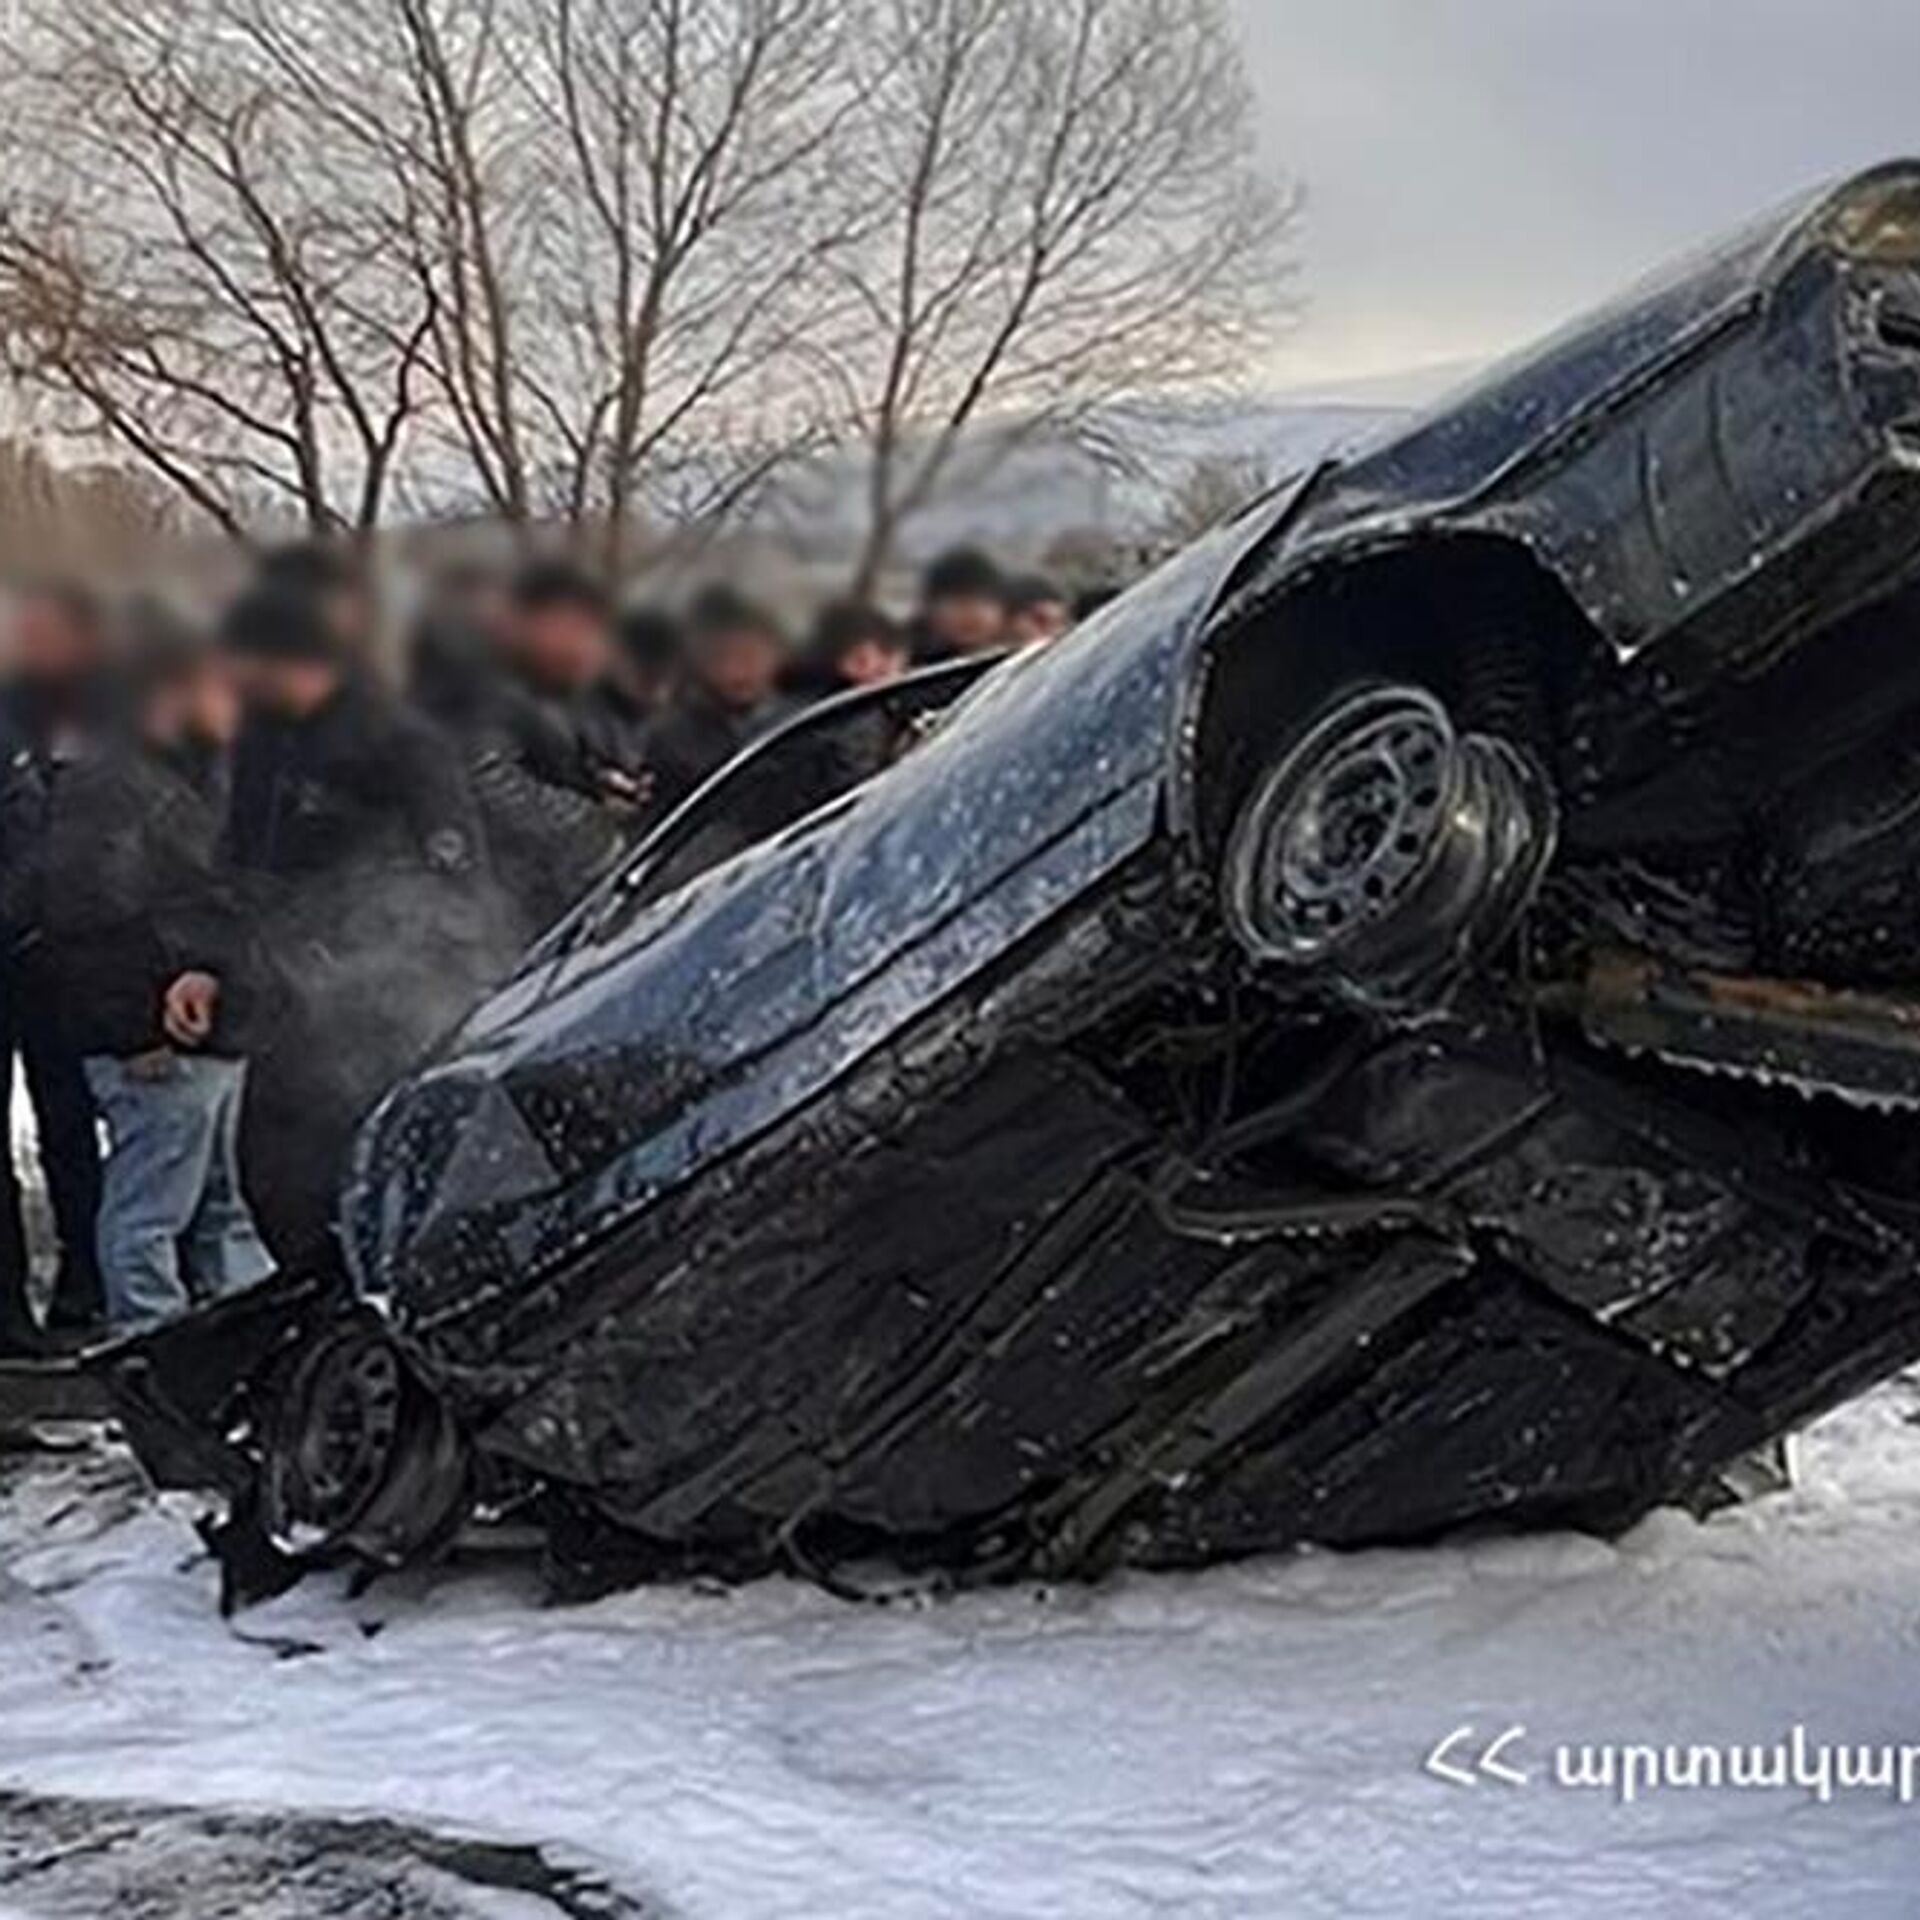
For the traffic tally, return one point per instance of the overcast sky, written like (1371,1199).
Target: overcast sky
(1479,169)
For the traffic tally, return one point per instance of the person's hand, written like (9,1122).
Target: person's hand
(625,789)
(188,1011)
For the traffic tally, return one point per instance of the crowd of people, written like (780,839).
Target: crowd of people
(247,873)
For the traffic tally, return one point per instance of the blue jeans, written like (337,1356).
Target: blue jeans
(173,1221)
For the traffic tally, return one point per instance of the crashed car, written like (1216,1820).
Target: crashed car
(1411,1017)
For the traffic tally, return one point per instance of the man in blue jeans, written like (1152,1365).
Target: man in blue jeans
(150,948)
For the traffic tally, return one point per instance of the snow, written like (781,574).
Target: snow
(1246,1742)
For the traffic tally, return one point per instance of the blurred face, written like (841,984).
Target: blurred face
(871,663)
(968,622)
(648,681)
(477,600)
(740,668)
(1038,622)
(211,713)
(564,646)
(285,689)
(348,612)
(163,713)
(50,645)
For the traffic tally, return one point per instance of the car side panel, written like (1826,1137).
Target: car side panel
(658,1050)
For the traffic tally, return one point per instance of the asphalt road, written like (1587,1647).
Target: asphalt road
(78,1860)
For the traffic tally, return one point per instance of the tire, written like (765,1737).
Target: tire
(360,1455)
(1381,856)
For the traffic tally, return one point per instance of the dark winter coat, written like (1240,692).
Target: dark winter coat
(363,787)
(364,853)
(535,772)
(131,897)
(611,729)
(696,736)
(36,745)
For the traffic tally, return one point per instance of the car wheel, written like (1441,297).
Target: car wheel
(1381,853)
(360,1455)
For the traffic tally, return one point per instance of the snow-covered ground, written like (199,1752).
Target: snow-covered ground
(1243,1743)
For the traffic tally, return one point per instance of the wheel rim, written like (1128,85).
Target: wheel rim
(360,1455)
(1358,828)
(1383,853)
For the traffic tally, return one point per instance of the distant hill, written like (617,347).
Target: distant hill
(1121,484)
(1020,496)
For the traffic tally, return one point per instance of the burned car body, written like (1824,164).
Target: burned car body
(1400,1021)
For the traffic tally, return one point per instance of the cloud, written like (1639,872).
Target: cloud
(1478,170)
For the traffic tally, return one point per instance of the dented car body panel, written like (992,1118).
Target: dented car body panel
(1664,453)
(950,1170)
(745,993)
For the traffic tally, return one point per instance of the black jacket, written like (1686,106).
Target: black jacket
(130,897)
(535,776)
(611,730)
(36,746)
(362,787)
(363,851)
(696,736)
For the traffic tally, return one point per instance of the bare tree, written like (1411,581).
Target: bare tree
(186,270)
(533,253)
(1054,206)
(1212,489)
(700,134)
(607,261)
(610,209)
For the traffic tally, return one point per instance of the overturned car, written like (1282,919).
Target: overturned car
(1411,1017)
